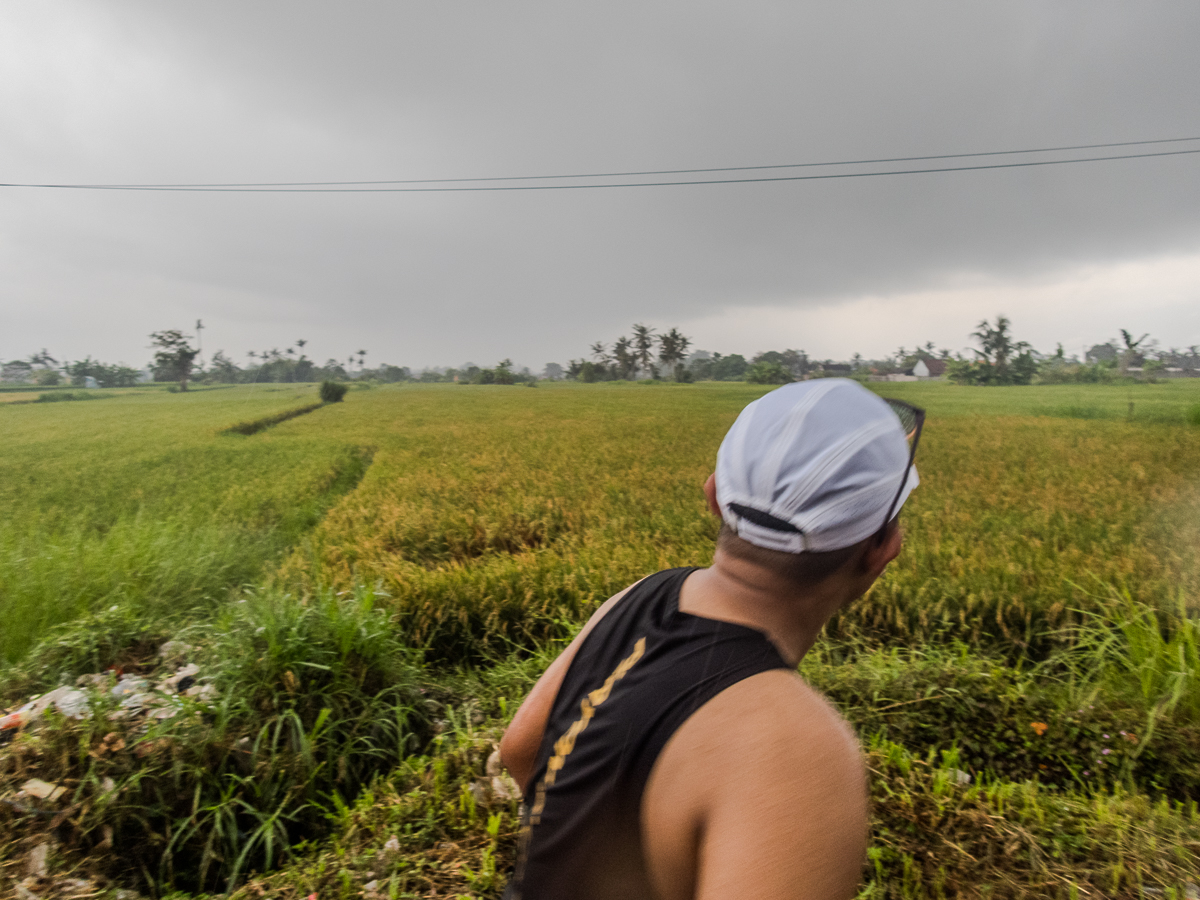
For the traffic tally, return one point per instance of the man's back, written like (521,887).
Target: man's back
(668,728)
(643,670)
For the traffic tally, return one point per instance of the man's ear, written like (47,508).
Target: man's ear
(710,493)
(878,555)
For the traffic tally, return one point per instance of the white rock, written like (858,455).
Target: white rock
(35,863)
(129,684)
(494,766)
(43,790)
(481,793)
(505,789)
(392,845)
(204,692)
(170,685)
(74,705)
(136,702)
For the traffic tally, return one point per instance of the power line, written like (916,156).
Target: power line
(846,162)
(332,188)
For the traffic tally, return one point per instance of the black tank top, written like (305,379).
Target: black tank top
(641,672)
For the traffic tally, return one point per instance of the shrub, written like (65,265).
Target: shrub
(332,392)
(768,373)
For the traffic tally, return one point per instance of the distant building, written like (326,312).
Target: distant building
(929,368)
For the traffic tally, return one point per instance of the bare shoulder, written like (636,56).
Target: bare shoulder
(769,726)
(761,793)
(780,703)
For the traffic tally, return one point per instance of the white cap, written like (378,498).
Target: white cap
(822,459)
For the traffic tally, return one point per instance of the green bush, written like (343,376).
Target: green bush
(1193,415)
(332,392)
(768,373)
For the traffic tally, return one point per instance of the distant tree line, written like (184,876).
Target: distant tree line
(998,359)
(44,370)
(1001,359)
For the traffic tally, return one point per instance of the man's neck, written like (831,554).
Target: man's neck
(734,590)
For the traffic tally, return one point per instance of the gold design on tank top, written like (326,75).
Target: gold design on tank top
(566,744)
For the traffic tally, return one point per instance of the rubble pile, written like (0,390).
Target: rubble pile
(138,695)
(130,702)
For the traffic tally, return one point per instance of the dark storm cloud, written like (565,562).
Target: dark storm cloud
(147,92)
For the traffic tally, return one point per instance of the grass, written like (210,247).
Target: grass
(140,501)
(1167,402)
(410,558)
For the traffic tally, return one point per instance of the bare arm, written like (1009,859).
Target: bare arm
(519,746)
(759,795)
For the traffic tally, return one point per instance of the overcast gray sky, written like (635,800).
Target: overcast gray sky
(150,92)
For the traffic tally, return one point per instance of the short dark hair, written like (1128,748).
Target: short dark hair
(808,568)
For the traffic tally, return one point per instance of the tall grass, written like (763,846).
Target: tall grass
(1150,653)
(140,501)
(315,699)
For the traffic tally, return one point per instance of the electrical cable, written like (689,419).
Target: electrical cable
(332,188)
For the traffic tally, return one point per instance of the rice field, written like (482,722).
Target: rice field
(1049,577)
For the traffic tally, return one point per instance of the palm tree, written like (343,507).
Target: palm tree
(672,348)
(362,359)
(643,343)
(997,343)
(1130,356)
(599,352)
(998,349)
(623,354)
